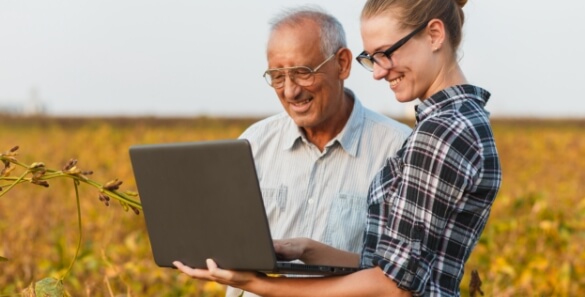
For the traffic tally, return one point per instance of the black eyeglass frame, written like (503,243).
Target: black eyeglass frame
(388,53)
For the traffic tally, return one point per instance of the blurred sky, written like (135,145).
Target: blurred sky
(196,57)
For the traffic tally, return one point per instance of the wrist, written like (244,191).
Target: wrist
(309,249)
(260,285)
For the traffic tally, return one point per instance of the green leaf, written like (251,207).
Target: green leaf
(49,287)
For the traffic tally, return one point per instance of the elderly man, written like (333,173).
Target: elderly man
(315,161)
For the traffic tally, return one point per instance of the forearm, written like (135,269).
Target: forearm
(364,283)
(370,282)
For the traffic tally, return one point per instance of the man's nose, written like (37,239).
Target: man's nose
(291,89)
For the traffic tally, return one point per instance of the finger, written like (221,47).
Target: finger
(211,264)
(178,264)
(217,273)
(182,267)
(193,272)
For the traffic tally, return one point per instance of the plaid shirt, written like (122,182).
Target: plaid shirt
(428,206)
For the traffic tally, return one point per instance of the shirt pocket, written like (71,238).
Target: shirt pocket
(274,202)
(346,222)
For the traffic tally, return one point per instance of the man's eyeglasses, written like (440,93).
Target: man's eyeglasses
(300,75)
(384,58)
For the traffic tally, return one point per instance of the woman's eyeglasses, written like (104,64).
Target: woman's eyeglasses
(384,58)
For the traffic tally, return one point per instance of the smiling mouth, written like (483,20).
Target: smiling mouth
(301,103)
(395,81)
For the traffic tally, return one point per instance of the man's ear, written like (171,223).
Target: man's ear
(437,34)
(344,59)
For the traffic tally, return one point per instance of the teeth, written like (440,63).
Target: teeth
(302,102)
(394,82)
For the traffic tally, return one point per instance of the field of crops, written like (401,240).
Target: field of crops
(533,245)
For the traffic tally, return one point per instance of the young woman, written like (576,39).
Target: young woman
(429,204)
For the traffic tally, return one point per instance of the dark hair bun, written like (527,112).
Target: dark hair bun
(461,3)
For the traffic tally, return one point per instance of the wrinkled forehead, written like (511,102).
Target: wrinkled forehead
(302,33)
(293,46)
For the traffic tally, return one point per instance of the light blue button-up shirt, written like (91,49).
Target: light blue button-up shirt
(321,195)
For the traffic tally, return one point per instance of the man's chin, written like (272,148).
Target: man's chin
(304,121)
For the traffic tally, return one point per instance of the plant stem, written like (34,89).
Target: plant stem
(17,181)
(75,185)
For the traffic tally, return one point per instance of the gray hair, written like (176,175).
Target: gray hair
(332,32)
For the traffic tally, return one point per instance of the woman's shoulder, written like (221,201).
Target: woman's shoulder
(446,128)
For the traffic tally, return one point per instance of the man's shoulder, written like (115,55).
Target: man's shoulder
(379,121)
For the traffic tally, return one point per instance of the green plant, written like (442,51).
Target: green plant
(38,174)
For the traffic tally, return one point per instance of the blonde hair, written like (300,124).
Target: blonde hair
(413,13)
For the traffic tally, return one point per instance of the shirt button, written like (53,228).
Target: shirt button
(311,201)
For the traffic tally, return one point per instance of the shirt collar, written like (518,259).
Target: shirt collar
(449,96)
(348,138)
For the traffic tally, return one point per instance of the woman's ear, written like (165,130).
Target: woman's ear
(343,60)
(437,33)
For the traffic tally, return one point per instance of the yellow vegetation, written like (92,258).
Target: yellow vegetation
(533,245)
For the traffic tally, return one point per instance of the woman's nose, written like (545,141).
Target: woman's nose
(379,72)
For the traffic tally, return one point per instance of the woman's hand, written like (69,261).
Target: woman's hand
(232,278)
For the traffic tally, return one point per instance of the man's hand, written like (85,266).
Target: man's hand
(290,249)
(313,252)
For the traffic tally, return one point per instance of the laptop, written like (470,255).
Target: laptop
(202,200)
